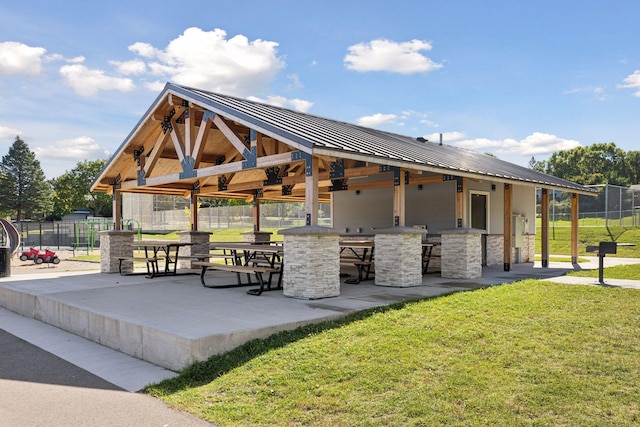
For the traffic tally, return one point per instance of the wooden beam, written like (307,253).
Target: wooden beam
(230,134)
(508,226)
(544,239)
(201,138)
(461,202)
(156,152)
(399,198)
(574,228)
(177,140)
(311,194)
(117,210)
(256,213)
(189,131)
(193,200)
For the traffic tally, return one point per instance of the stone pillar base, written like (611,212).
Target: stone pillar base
(398,257)
(462,253)
(116,244)
(200,246)
(257,236)
(311,262)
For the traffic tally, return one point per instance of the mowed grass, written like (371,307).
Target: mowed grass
(528,353)
(627,271)
(560,239)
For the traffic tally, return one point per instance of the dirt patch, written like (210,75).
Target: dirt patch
(66,264)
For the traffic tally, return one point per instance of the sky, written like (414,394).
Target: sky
(518,79)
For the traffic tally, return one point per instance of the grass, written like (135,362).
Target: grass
(627,271)
(560,239)
(529,353)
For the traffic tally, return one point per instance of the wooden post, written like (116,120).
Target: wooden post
(117,210)
(311,190)
(574,228)
(544,210)
(461,203)
(194,210)
(256,211)
(399,192)
(508,226)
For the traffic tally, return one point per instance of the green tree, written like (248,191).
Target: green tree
(602,163)
(24,190)
(72,190)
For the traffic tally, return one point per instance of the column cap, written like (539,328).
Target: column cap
(308,230)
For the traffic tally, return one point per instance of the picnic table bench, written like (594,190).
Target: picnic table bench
(152,264)
(256,270)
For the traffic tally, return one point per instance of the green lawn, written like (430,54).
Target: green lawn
(629,272)
(560,239)
(528,353)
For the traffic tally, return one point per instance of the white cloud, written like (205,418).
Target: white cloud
(133,67)
(597,92)
(387,55)
(377,119)
(8,133)
(18,58)
(295,82)
(537,143)
(280,101)
(210,61)
(155,86)
(632,81)
(88,82)
(76,149)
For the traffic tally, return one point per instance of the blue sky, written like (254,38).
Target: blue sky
(514,78)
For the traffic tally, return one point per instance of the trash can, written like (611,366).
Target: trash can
(5,261)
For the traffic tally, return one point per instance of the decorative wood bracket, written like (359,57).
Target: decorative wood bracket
(273,176)
(338,185)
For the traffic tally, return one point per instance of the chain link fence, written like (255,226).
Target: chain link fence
(613,206)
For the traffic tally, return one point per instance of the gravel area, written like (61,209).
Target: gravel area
(66,264)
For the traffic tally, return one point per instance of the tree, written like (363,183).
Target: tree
(24,190)
(72,190)
(602,163)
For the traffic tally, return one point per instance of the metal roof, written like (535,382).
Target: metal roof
(325,135)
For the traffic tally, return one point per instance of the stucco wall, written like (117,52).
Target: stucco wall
(434,206)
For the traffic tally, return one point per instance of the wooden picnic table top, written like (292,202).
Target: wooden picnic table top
(247,247)
(157,243)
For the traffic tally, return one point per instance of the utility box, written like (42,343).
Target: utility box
(519,223)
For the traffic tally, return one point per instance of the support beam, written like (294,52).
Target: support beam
(508,226)
(311,191)
(544,239)
(574,228)
(193,201)
(461,202)
(256,210)
(399,198)
(117,210)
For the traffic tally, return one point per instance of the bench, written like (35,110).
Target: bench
(152,265)
(362,267)
(258,271)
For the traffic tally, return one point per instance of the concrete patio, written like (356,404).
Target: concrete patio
(172,322)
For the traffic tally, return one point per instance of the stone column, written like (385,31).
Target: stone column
(398,256)
(200,246)
(462,253)
(495,248)
(257,236)
(116,244)
(311,262)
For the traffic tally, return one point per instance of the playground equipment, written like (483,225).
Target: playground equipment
(31,254)
(47,256)
(10,241)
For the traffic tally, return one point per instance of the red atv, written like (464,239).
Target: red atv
(47,256)
(31,254)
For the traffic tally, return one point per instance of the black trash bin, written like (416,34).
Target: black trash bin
(5,262)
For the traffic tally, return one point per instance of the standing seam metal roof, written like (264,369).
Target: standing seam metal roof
(319,132)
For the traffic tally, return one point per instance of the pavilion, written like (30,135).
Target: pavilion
(195,143)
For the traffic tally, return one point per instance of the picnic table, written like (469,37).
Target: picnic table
(360,253)
(245,258)
(156,251)
(428,255)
